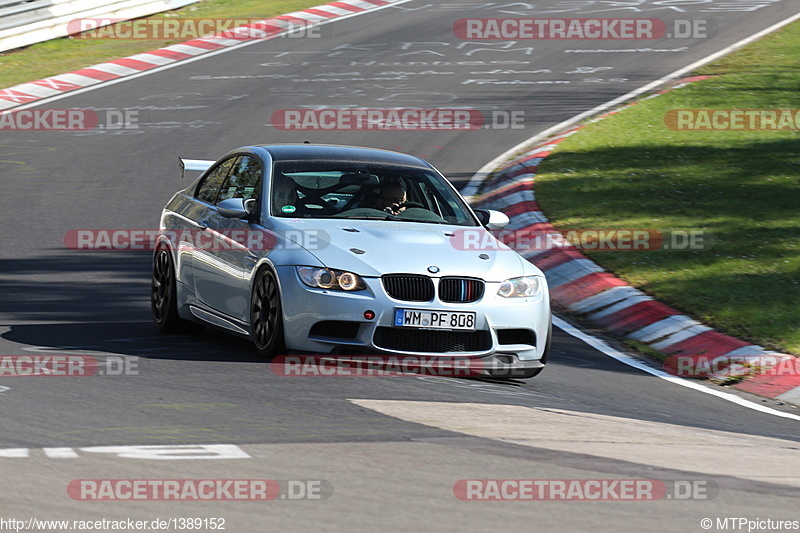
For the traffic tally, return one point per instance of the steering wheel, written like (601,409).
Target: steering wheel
(412,204)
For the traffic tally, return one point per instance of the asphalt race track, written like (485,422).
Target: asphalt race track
(385,453)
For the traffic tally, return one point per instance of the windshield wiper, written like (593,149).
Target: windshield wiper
(425,220)
(373,217)
(395,218)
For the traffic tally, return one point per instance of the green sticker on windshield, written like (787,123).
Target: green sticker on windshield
(288,209)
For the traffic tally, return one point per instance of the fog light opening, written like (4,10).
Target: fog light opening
(505,359)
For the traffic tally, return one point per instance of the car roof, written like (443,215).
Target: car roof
(329,152)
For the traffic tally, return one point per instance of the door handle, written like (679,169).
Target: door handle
(203,224)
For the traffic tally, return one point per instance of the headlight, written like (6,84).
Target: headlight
(327,278)
(520,287)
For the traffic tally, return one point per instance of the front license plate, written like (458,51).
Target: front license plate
(425,319)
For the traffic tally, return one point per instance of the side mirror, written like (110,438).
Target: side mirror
(491,219)
(233,208)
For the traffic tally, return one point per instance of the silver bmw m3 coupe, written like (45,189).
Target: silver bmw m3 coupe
(344,250)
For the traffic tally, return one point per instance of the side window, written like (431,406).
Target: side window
(244,180)
(210,186)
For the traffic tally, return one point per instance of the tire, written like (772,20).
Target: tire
(266,315)
(549,342)
(164,297)
(163,293)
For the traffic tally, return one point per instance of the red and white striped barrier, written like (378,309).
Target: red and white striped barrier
(582,287)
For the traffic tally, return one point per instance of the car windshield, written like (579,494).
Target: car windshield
(356,190)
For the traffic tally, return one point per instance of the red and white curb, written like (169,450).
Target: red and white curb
(53,86)
(583,288)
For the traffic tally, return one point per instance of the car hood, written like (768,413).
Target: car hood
(375,247)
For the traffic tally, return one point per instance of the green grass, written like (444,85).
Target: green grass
(631,171)
(64,55)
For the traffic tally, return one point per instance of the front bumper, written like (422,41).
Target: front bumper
(500,327)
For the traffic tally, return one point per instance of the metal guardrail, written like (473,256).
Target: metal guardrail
(18,13)
(24,22)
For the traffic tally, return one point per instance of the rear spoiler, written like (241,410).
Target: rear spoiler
(194,164)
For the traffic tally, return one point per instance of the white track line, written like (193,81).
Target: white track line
(472,186)
(602,346)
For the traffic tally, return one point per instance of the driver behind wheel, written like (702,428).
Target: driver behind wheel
(284,194)
(391,199)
